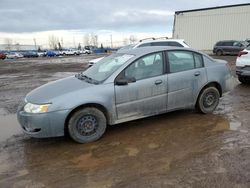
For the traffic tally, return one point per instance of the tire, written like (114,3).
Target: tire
(219,52)
(87,125)
(208,100)
(243,80)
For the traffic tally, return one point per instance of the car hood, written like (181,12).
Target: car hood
(47,92)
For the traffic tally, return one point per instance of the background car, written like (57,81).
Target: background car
(52,53)
(230,47)
(2,56)
(156,42)
(70,52)
(29,54)
(243,66)
(14,55)
(125,86)
(147,43)
(42,53)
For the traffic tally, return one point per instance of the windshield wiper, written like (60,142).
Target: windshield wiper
(81,76)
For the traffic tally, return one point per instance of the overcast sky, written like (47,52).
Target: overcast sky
(22,19)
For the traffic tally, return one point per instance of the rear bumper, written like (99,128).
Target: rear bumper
(243,71)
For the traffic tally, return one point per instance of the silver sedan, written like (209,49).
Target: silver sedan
(122,87)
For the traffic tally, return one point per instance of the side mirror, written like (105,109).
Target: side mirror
(121,82)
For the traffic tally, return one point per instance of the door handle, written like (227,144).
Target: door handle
(157,82)
(197,73)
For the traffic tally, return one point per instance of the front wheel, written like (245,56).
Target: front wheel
(208,100)
(87,125)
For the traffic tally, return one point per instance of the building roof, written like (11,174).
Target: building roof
(211,8)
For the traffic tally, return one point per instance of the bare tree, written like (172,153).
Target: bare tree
(8,42)
(59,46)
(125,41)
(17,45)
(86,39)
(132,39)
(53,41)
(94,39)
(79,46)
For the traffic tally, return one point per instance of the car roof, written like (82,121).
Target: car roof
(152,49)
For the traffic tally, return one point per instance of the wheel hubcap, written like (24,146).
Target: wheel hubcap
(87,125)
(209,99)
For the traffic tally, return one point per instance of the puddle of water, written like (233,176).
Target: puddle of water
(8,126)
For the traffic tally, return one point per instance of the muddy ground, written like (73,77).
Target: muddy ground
(179,149)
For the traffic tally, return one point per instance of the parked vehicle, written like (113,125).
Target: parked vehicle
(243,66)
(85,51)
(13,55)
(147,43)
(2,56)
(248,40)
(29,54)
(70,52)
(122,87)
(229,47)
(42,53)
(52,53)
(94,61)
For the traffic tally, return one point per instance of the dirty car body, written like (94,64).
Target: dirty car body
(123,87)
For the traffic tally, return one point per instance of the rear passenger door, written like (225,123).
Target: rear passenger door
(186,75)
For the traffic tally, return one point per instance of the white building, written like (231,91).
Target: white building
(202,28)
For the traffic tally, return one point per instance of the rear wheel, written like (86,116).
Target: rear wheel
(219,52)
(87,125)
(208,100)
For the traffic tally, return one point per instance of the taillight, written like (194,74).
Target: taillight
(242,53)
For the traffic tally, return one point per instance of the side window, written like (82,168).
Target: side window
(220,44)
(228,44)
(180,61)
(238,44)
(144,45)
(145,67)
(198,60)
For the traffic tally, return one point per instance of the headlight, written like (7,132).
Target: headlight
(35,108)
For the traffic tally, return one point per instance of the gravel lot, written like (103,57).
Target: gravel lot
(179,149)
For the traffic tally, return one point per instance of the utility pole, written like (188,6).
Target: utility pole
(111,41)
(62,42)
(35,43)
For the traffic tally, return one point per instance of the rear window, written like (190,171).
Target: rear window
(144,45)
(170,43)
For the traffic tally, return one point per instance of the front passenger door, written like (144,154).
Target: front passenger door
(146,94)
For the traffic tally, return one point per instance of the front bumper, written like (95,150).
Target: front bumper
(42,125)
(243,71)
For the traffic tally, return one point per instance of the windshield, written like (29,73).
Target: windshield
(126,47)
(104,68)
